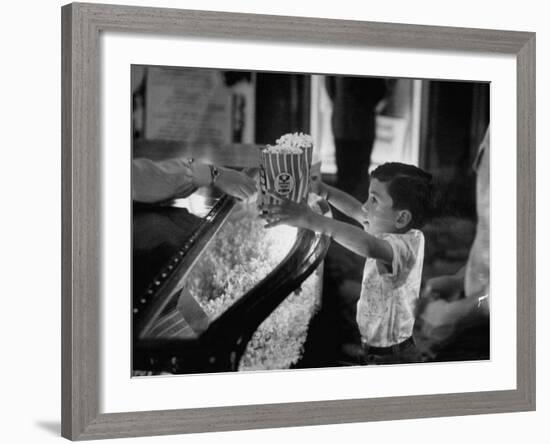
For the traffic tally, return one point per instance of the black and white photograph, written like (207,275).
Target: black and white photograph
(287,221)
(275,222)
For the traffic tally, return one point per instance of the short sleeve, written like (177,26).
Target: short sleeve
(406,250)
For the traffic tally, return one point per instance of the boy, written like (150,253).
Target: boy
(391,241)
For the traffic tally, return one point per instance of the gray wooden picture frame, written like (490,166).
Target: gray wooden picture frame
(81,173)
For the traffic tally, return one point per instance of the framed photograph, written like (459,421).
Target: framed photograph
(278,221)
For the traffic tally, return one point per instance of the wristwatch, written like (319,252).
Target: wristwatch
(214,174)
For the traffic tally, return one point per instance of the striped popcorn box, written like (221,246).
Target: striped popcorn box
(285,168)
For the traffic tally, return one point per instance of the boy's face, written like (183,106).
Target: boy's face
(380,217)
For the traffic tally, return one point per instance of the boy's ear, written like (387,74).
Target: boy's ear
(403,219)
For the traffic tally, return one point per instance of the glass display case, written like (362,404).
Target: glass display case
(213,290)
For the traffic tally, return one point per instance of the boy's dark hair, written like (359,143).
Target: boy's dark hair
(410,189)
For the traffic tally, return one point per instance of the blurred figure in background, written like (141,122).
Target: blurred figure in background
(354,101)
(453,315)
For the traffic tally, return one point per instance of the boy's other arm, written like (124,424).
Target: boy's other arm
(343,202)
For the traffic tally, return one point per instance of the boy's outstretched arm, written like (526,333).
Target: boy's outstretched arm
(349,236)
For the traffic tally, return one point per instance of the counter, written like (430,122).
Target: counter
(213,290)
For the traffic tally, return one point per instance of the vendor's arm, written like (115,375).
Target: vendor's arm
(349,236)
(157,181)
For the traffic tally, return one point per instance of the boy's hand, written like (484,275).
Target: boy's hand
(287,212)
(318,187)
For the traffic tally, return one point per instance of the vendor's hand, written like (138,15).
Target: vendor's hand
(286,212)
(235,183)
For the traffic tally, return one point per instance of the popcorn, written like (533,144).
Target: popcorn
(291,143)
(285,168)
(275,149)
